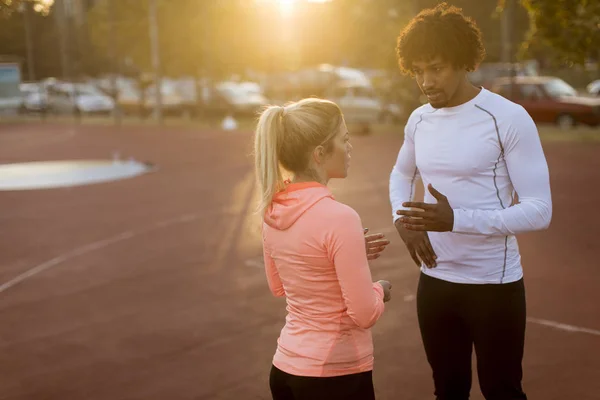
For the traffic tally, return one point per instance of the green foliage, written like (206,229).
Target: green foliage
(9,7)
(569,30)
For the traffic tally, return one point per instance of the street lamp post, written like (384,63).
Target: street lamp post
(114,62)
(155,48)
(25,8)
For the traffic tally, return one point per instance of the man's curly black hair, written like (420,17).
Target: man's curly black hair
(441,31)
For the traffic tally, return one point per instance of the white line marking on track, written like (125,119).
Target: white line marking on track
(88,248)
(544,322)
(563,327)
(255,262)
(409,297)
(258,263)
(64,257)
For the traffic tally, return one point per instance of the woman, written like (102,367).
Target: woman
(315,256)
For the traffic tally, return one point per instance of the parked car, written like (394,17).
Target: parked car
(550,100)
(35,97)
(66,97)
(240,98)
(129,100)
(487,73)
(188,91)
(594,88)
(171,100)
(350,88)
(359,102)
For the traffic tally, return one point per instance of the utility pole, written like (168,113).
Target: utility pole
(155,49)
(60,20)
(69,50)
(28,41)
(112,49)
(507,22)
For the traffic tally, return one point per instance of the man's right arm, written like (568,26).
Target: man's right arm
(404,173)
(402,189)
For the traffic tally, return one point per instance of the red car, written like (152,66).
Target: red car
(550,99)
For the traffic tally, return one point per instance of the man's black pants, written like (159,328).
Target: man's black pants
(491,317)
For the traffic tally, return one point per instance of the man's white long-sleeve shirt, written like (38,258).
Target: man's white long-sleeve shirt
(478,154)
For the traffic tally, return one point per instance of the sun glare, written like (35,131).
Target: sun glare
(286,7)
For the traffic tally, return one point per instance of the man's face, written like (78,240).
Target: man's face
(438,80)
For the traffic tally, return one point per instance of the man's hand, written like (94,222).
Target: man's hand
(418,246)
(375,244)
(437,217)
(387,290)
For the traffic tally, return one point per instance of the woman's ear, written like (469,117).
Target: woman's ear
(318,154)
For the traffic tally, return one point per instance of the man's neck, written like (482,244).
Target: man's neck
(465,92)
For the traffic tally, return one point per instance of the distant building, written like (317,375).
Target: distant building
(10,79)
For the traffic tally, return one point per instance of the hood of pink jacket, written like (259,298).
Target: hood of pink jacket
(290,204)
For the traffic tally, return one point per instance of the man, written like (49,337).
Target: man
(474,151)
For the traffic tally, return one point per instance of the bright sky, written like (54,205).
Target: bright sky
(286,7)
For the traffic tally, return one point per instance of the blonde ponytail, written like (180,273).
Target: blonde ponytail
(266,146)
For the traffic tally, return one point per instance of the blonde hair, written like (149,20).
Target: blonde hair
(284,138)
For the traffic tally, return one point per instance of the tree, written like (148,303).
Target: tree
(44,37)
(194,35)
(570,28)
(9,7)
(369,30)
